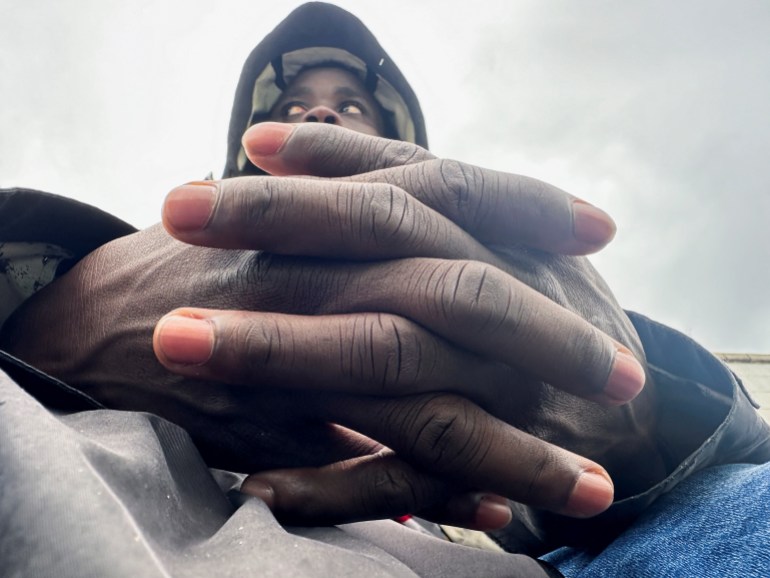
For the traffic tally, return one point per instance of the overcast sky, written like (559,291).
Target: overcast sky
(659,112)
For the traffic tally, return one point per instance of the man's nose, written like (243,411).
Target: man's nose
(322,114)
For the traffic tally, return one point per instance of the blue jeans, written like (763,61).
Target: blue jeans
(716,523)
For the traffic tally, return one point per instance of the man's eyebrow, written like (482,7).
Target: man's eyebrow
(347,91)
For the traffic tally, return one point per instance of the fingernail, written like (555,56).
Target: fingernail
(591,225)
(185,340)
(592,494)
(492,513)
(189,207)
(626,379)
(266,138)
(259,489)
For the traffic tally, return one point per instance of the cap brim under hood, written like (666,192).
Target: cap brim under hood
(318,33)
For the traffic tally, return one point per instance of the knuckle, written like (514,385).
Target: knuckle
(394,153)
(385,353)
(441,429)
(255,347)
(539,211)
(480,298)
(252,201)
(594,354)
(304,502)
(540,483)
(462,188)
(543,272)
(334,152)
(344,209)
(393,217)
(243,278)
(294,285)
(257,267)
(450,435)
(390,491)
(325,145)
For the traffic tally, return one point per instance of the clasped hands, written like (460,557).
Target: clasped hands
(395,336)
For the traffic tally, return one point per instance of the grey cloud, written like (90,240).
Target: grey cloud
(670,104)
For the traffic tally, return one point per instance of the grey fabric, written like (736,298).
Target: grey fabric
(106,493)
(430,557)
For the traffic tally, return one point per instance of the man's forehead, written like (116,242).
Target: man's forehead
(309,89)
(343,82)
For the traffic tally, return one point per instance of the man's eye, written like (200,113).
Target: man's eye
(351,108)
(293,109)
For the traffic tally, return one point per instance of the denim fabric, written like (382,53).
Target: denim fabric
(716,523)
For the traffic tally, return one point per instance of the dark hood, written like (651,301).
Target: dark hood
(318,33)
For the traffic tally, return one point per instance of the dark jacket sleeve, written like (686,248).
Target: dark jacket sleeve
(33,216)
(701,405)
(27,217)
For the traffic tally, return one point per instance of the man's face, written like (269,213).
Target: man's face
(329,95)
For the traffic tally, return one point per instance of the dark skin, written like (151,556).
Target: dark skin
(614,437)
(115,296)
(242,427)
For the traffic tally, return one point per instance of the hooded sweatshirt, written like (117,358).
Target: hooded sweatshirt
(318,33)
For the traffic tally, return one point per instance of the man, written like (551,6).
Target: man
(114,297)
